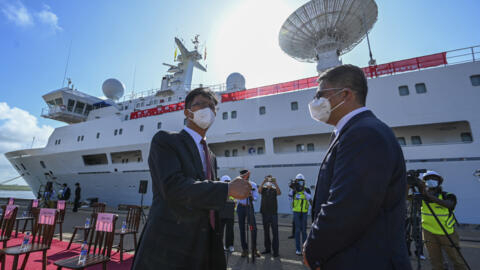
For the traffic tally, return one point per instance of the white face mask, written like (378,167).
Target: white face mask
(320,109)
(203,118)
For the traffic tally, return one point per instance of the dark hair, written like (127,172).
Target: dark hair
(77,184)
(204,91)
(348,76)
(64,184)
(243,171)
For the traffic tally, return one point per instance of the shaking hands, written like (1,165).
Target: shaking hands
(239,188)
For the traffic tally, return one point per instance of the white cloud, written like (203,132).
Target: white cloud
(46,16)
(17,13)
(17,129)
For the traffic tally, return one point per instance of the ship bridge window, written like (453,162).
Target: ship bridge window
(124,157)
(70,104)
(403,90)
(310,147)
(42,164)
(225,115)
(300,147)
(88,109)
(51,102)
(294,106)
(261,110)
(420,88)
(79,107)
(401,141)
(466,137)
(416,140)
(233,115)
(59,101)
(97,159)
(475,79)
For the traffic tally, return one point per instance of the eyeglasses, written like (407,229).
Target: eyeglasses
(321,93)
(203,105)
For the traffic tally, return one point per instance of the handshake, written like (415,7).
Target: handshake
(239,188)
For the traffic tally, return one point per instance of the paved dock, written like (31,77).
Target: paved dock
(469,235)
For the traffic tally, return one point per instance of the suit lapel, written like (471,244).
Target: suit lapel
(193,149)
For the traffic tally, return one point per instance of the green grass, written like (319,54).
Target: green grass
(15,187)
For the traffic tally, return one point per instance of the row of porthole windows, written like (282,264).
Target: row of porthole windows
(115,133)
(259,150)
(301,147)
(261,110)
(417,140)
(421,88)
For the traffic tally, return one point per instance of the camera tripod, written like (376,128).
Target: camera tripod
(251,241)
(414,228)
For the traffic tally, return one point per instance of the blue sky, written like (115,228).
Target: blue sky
(112,38)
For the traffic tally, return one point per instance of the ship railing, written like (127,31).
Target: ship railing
(463,55)
(151,92)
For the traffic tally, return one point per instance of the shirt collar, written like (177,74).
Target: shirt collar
(195,136)
(347,118)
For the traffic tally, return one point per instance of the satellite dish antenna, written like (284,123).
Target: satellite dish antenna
(322,30)
(235,82)
(113,89)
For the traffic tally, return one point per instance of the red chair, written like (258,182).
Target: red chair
(42,239)
(102,247)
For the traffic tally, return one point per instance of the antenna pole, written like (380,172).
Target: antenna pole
(33,140)
(372,61)
(68,60)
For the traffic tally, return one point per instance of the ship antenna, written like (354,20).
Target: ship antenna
(68,60)
(372,61)
(134,76)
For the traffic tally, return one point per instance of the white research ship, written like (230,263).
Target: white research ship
(431,103)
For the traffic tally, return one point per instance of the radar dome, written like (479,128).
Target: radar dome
(235,82)
(113,89)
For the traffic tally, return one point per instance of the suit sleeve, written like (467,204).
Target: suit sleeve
(361,173)
(174,186)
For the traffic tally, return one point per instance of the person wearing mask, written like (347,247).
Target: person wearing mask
(183,227)
(245,211)
(76,202)
(360,196)
(227,217)
(65,195)
(269,190)
(301,198)
(443,205)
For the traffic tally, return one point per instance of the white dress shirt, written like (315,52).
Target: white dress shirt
(347,118)
(254,193)
(197,138)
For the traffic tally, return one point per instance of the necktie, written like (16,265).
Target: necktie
(209,176)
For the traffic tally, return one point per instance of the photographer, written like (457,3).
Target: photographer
(269,190)
(443,205)
(301,202)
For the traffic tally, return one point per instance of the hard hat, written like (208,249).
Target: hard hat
(432,173)
(300,176)
(225,178)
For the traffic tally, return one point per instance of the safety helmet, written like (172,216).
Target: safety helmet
(432,173)
(300,176)
(225,178)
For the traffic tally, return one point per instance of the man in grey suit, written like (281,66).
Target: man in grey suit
(359,204)
(183,226)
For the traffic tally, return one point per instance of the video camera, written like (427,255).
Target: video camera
(413,177)
(296,186)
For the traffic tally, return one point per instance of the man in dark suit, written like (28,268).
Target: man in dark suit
(183,226)
(359,204)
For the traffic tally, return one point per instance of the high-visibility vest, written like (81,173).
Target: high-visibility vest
(300,205)
(445,216)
